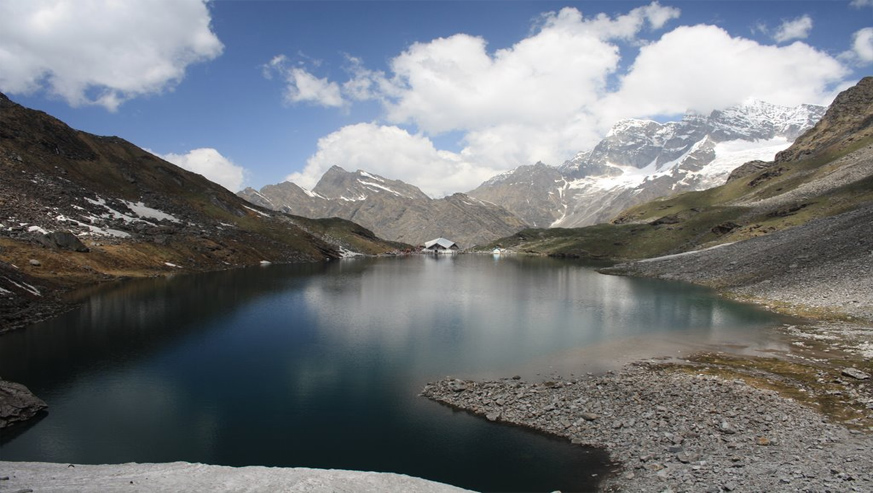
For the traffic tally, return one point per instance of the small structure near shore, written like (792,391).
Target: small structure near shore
(441,245)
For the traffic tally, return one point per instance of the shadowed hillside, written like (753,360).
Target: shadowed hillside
(77,208)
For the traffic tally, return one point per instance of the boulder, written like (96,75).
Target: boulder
(67,241)
(17,403)
(855,373)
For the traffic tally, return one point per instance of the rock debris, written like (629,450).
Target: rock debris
(672,429)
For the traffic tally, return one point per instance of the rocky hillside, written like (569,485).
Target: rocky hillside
(641,160)
(391,208)
(825,175)
(849,120)
(77,208)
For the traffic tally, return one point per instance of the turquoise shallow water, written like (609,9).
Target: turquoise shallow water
(321,365)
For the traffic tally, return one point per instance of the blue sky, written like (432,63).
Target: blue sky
(441,94)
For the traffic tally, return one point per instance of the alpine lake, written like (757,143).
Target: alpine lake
(320,365)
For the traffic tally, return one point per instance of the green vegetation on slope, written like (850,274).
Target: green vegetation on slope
(829,181)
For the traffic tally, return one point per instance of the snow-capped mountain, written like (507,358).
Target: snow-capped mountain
(640,160)
(391,208)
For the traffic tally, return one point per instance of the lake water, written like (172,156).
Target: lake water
(320,365)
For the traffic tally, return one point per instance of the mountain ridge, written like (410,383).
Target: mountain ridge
(831,179)
(77,208)
(391,208)
(640,160)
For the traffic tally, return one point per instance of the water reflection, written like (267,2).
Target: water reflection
(320,365)
(476,314)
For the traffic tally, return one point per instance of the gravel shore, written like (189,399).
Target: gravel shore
(672,428)
(184,476)
(825,264)
(704,426)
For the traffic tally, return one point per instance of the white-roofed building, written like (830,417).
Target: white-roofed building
(441,245)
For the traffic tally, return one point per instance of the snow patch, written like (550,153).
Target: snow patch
(676,255)
(312,194)
(629,177)
(345,253)
(256,211)
(141,210)
(114,214)
(36,229)
(733,153)
(368,175)
(381,187)
(27,287)
(92,229)
(354,199)
(499,178)
(265,198)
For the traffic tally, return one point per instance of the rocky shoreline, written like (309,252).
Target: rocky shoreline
(680,428)
(186,476)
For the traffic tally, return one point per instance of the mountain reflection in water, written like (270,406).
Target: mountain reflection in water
(320,365)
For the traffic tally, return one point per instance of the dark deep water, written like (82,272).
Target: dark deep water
(321,365)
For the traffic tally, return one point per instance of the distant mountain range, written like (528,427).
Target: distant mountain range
(640,160)
(795,230)
(637,161)
(391,208)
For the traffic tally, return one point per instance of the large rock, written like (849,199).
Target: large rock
(17,403)
(67,241)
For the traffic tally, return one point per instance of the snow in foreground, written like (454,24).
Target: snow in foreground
(185,476)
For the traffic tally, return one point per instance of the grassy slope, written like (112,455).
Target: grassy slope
(687,221)
(48,169)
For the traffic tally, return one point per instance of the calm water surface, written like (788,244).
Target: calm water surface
(320,365)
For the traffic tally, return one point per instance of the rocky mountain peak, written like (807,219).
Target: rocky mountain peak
(339,184)
(641,160)
(762,120)
(849,119)
(391,208)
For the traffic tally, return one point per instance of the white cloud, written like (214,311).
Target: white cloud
(703,68)
(101,52)
(455,84)
(302,86)
(212,165)
(305,87)
(794,29)
(862,45)
(556,92)
(394,153)
(861,3)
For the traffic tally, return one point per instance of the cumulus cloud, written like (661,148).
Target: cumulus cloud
(302,86)
(793,29)
(455,84)
(702,68)
(394,153)
(101,52)
(862,45)
(212,165)
(557,91)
